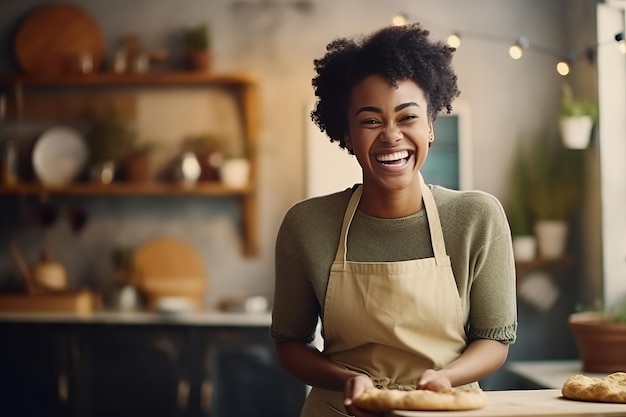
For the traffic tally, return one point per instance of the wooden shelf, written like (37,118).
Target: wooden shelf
(243,85)
(564,262)
(129,79)
(129,189)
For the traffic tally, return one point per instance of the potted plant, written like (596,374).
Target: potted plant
(553,192)
(197,40)
(518,211)
(110,137)
(577,119)
(136,165)
(600,335)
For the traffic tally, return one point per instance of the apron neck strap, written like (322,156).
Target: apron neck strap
(434,224)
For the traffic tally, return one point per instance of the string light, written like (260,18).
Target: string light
(454,40)
(400,19)
(516,51)
(521,44)
(562,67)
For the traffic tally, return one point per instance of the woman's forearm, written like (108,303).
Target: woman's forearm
(309,365)
(481,358)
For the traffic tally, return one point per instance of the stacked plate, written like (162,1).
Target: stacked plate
(59,156)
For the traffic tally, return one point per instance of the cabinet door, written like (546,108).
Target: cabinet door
(246,379)
(136,371)
(33,371)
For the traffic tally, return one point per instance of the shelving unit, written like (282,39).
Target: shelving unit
(559,264)
(242,85)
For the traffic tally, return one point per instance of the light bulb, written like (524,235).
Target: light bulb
(454,40)
(399,20)
(516,52)
(562,68)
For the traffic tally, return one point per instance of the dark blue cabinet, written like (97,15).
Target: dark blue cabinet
(120,370)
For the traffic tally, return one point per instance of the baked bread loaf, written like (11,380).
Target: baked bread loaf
(611,389)
(380,400)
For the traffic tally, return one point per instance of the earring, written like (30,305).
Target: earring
(431,136)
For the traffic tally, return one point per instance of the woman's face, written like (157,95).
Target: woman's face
(389,131)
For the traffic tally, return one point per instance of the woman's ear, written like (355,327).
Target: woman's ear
(431,134)
(348,141)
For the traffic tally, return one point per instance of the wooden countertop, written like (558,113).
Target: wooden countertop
(208,318)
(536,403)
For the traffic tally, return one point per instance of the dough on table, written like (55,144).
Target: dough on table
(611,389)
(379,400)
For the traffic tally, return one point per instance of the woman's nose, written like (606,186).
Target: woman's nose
(391,134)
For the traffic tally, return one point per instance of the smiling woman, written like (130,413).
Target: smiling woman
(390,265)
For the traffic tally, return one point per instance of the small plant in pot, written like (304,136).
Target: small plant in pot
(198,54)
(518,211)
(555,177)
(577,119)
(137,164)
(110,137)
(600,335)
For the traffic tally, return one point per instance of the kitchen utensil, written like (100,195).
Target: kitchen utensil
(54,36)
(49,274)
(243,304)
(31,286)
(45,275)
(59,155)
(169,267)
(77,216)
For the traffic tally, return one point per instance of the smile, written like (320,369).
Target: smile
(394,158)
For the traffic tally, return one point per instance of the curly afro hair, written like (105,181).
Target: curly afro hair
(396,53)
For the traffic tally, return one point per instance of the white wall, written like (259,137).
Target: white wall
(507,99)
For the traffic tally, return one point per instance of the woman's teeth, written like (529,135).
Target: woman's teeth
(393,158)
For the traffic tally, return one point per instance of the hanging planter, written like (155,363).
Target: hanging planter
(576,131)
(577,120)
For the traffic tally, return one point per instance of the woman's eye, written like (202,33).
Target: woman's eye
(408,117)
(369,122)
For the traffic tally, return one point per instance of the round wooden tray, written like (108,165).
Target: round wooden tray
(52,38)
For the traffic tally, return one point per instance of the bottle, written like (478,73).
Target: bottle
(8,164)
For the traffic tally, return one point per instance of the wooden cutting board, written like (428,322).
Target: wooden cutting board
(544,402)
(53,36)
(169,266)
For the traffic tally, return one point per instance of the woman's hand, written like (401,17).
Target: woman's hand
(353,388)
(434,381)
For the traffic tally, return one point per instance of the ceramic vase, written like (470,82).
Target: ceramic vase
(551,238)
(576,131)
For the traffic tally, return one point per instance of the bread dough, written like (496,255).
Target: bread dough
(380,400)
(611,389)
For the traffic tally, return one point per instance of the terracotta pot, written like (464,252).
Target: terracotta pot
(137,168)
(199,60)
(600,343)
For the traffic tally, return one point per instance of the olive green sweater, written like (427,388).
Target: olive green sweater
(477,238)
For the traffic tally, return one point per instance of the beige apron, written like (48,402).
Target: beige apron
(390,320)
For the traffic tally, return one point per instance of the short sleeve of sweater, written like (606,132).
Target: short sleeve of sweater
(305,247)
